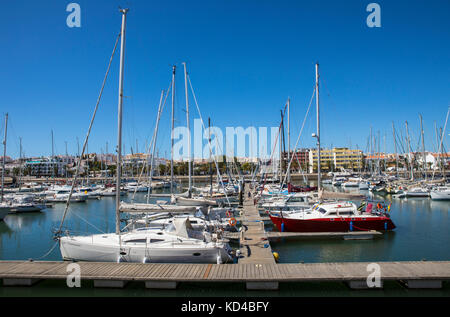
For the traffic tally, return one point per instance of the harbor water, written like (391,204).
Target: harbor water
(421,233)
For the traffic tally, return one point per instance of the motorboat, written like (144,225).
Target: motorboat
(440,193)
(61,194)
(24,203)
(292,201)
(90,192)
(111,191)
(300,189)
(417,192)
(333,217)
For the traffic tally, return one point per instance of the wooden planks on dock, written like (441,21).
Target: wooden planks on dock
(265,272)
(254,244)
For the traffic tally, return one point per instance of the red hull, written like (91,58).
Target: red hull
(300,189)
(335,225)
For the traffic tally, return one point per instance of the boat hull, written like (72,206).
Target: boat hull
(437,195)
(4,212)
(80,251)
(335,225)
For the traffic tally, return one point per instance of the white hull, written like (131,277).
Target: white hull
(440,195)
(417,194)
(27,208)
(181,201)
(72,249)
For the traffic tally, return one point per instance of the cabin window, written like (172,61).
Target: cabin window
(196,254)
(193,221)
(136,241)
(156,240)
(322,210)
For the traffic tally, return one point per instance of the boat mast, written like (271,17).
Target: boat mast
(289,140)
(210,159)
(409,151)
(171,133)
(53,162)
(119,119)
(155,135)
(189,131)
(20,163)
(318,128)
(395,148)
(4,157)
(424,163)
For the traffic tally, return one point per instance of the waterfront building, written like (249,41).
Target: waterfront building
(335,159)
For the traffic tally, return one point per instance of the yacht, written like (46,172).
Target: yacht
(24,203)
(440,193)
(417,192)
(287,203)
(61,194)
(333,217)
(177,243)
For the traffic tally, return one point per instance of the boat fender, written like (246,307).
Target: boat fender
(219,258)
(276,256)
(282,227)
(385,225)
(351,225)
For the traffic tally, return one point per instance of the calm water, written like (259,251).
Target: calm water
(422,233)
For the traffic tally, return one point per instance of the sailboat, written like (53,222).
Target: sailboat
(177,243)
(340,216)
(4,208)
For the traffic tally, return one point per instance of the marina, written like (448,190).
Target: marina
(173,192)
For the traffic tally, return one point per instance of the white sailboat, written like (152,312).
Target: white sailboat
(4,208)
(177,243)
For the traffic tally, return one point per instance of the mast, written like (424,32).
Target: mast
(281,146)
(154,145)
(289,139)
(4,157)
(20,163)
(409,151)
(171,133)
(395,148)
(119,119)
(318,128)
(210,158)
(189,131)
(53,162)
(424,163)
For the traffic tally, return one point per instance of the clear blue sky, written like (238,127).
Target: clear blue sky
(245,58)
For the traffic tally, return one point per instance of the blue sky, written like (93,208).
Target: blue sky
(245,58)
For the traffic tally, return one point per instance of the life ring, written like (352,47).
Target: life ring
(232,222)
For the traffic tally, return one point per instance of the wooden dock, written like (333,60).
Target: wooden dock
(254,245)
(274,235)
(420,274)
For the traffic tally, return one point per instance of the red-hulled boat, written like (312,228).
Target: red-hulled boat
(300,189)
(333,217)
